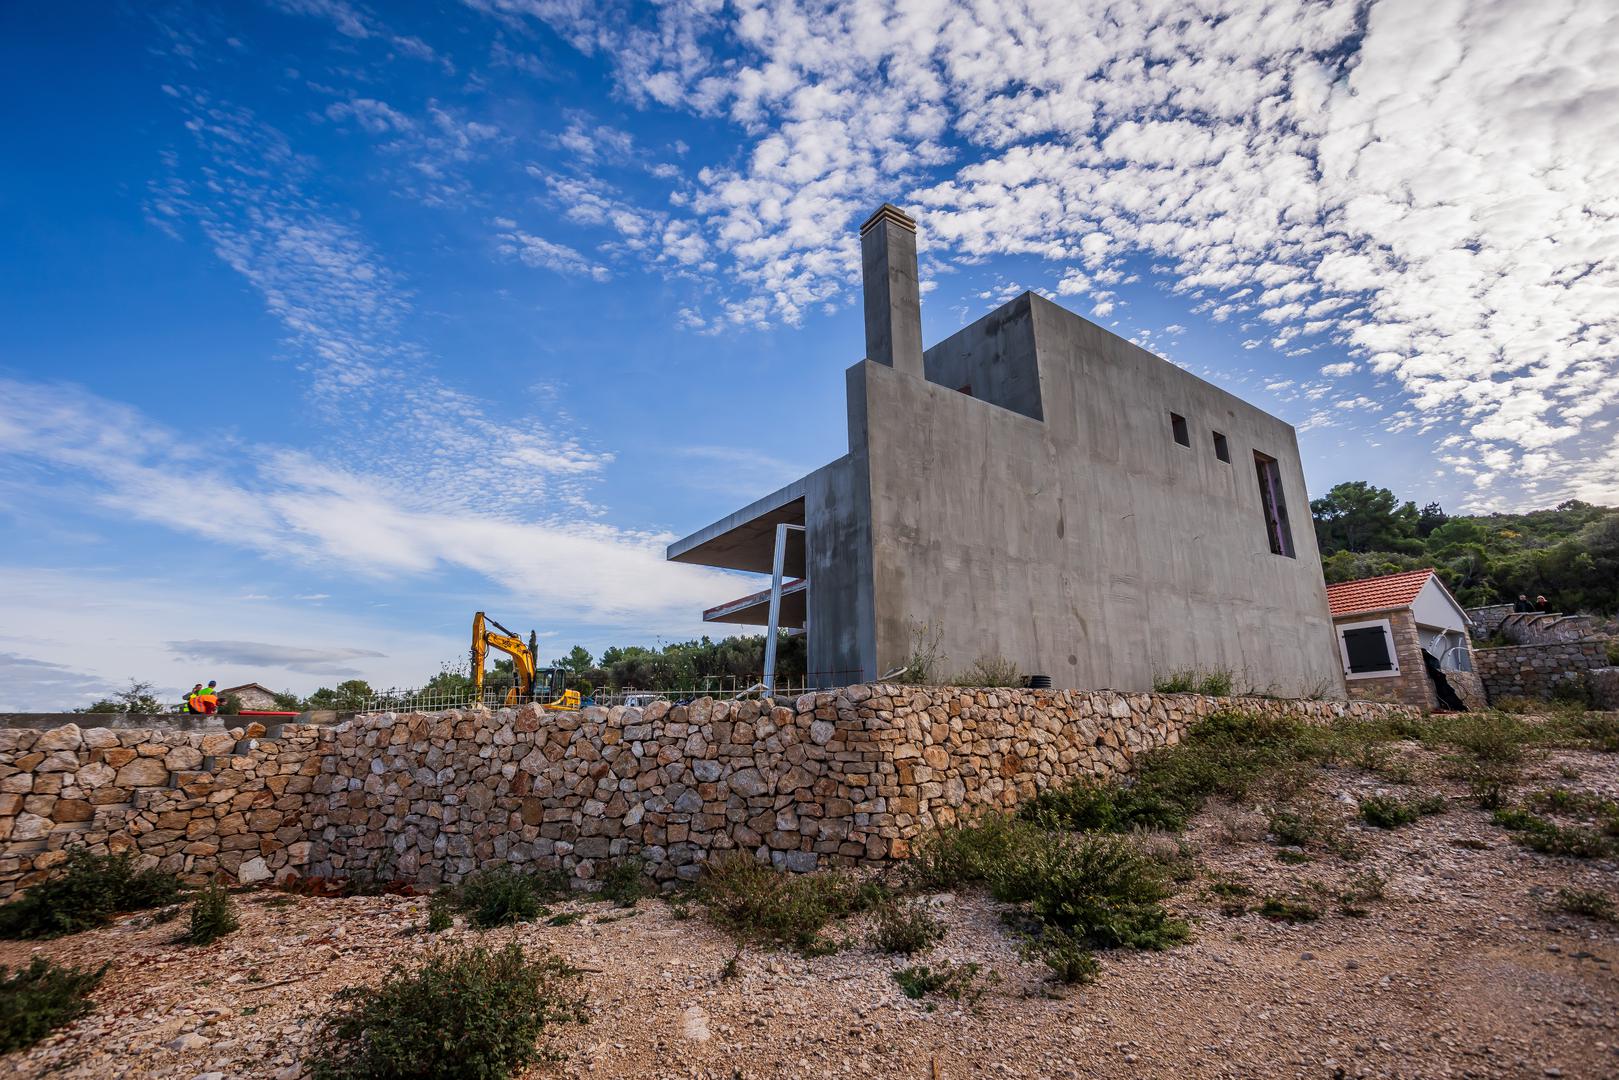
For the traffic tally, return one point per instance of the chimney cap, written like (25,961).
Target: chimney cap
(888,212)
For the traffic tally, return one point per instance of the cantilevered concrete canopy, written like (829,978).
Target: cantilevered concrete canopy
(754,610)
(747,539)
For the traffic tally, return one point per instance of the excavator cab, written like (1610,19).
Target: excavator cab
(526,687)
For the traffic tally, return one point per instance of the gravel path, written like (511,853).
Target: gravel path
(1462,969)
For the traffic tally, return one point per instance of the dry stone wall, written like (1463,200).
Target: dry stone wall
(1534,671)
(190,802)
(834,778)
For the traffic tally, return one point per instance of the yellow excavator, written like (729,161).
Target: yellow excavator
(525,665)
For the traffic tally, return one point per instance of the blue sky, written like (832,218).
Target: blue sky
(326,325)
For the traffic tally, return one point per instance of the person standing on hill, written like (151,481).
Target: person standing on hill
(1523,604)
(1542,604)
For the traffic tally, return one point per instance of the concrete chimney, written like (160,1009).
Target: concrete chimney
(893,298)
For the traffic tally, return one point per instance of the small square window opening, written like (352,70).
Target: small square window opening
(1177,423)
(1221,450)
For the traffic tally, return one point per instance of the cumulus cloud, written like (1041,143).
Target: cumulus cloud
(1429,185)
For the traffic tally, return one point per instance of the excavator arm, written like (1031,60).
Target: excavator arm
(521,652)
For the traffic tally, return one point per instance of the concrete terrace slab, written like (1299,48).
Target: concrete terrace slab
(754,609)
(746,540)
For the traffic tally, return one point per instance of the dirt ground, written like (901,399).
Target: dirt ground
(1465,968)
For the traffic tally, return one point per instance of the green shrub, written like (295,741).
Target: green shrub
(1549,838)
(1216,682)
(1293,828)
(958,982)
(1613,652)
(86,893)
(1389,812)
(1288,911)
(626,884)
(506,895)
(1360,890)
(212,916)
(1585,731)
(755,902)
(40,998)
(1069,962)
(1591,904)
(462,1013)
(1575,692)
(1099,889)
(990,670)
(905,927)
(961,855)
(440,913)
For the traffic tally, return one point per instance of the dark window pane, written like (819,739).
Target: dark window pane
(1368,650)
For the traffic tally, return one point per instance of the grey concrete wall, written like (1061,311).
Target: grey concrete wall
(995,356)
(1090,547)
(837,556)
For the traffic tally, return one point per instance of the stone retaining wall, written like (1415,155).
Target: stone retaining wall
(189,802)
(838,777)
(1534,671)
(1487,620)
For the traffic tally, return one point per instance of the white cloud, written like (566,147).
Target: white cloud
(537,251)
(1335,371)
(1430,184)
(288,506)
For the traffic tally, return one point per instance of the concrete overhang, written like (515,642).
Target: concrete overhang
(754,610)
(746,540)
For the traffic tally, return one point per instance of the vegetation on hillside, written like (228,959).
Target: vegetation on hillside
(1569,554)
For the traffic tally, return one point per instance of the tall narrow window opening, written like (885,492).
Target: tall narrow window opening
(1221,450)
(1177,424)
(1277,529)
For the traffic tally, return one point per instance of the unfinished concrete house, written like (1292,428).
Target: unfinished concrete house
(1036,488)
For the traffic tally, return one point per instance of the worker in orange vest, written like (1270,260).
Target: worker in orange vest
(194,699)
(210,698)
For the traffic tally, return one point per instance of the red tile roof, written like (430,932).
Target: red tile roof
(1377,593)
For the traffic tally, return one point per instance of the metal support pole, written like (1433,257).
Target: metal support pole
(775,604)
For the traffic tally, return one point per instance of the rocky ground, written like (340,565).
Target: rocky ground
(1464,968)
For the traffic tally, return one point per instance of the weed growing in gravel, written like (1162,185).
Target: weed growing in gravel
(86,893)
(755,902)
(213,915)
(1549,838)
(1360,890)
(1216,682)
(460,1013)
(440,913)
(905,926)
(1587,902)
(1069,962)
(958,982)
(1101,889)
(626,884)
(1389,812)
(505,895)
(1288,911)
(40,998)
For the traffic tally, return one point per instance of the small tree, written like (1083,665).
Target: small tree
(137,698)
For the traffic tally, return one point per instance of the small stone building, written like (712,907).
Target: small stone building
(251,695)
(1404,638)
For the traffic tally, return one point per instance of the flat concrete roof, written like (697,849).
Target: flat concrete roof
(746,540)
(754,609)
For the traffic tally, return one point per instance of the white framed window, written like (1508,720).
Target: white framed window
(1367,649)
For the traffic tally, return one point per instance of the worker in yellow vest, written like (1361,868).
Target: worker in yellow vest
(210,698)
(194,699)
